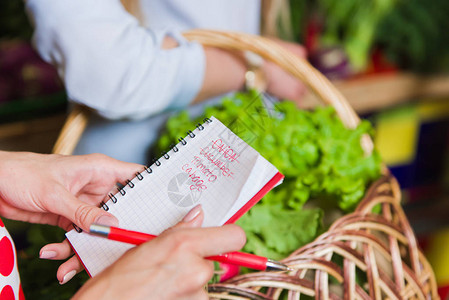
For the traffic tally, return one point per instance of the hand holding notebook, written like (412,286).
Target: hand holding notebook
(211,166)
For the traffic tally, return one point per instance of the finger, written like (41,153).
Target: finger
(38,218)
(202,269)
(65,224)
(80,213)
(208,241)
(18,214)
(296,92)
(119,171)
(200,295)
(217,240)
(56,251)
(299,51)
(295,48)
(68,270)
(194,218)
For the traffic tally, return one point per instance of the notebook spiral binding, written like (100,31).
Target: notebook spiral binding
(147,169)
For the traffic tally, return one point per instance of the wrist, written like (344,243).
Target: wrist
(225,72)
(7,162)
(169,43)
(255,76)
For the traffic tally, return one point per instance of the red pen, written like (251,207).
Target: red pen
(235,258)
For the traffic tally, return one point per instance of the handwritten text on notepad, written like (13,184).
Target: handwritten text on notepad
(213,162)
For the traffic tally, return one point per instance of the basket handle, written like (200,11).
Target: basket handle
(266,48)
(72,130)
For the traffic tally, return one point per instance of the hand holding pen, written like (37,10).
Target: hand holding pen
(236,258)
(172,266)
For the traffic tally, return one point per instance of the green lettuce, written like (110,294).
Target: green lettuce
(274,231)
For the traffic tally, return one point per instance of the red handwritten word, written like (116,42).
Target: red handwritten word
(198,163)
(197,182)
(227,151)
(207,153)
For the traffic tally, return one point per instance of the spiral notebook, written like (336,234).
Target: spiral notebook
(211,166)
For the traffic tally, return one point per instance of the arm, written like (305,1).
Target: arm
(225,72)
(112,64)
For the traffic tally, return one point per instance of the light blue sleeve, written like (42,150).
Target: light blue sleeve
(112,64)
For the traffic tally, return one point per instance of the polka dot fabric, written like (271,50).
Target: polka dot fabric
(10,288)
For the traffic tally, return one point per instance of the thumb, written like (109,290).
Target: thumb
(83,214)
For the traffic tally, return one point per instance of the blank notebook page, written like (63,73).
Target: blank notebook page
(211,166)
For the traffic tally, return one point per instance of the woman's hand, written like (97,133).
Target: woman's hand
(280,83)
(225,72)
(172,266)
(59,190)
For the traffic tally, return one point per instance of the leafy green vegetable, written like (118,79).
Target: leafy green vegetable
(273,231)
(353,24)
(414,35)
(319,157)
(411,33)
(14,22)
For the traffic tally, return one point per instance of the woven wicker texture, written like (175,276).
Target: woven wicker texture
(369,254)
(364,255)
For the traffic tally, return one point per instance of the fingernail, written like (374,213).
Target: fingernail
(107,220)
(192,214)
(48,254)
(67,277)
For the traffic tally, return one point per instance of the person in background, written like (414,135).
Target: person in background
(59,190)
(135,69)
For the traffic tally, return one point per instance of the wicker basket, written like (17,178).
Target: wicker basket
(379,253)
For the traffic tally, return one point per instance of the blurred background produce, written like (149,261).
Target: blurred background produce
(373,35)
